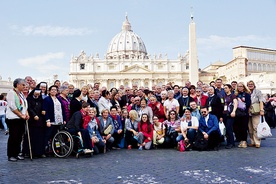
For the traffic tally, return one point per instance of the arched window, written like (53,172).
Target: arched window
(264,67)
(249,66)
(254,67)
(259,67)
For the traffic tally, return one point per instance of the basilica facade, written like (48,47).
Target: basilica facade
(127,62)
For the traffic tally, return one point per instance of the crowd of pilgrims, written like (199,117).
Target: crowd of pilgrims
(165,116)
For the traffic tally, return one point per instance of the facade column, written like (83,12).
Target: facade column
(142,82)
(130,83)
(150,84)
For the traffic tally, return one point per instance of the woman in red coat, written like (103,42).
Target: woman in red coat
(145,127)
(157,108)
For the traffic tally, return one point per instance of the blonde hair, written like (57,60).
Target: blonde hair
(244,87)
(92,109)
(104,111)
(133,114)
(251,81)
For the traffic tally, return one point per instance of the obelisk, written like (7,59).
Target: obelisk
(193,62)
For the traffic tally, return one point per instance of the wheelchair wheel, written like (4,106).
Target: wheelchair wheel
(62,144)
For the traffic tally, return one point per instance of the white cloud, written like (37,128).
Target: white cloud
(52,31)
(218,42)
(41,59)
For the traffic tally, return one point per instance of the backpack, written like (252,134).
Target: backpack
(200,144)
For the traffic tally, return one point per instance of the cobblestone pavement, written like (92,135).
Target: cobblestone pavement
(237,165)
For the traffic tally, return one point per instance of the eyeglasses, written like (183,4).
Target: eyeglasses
(203,112)
(155,118)
(136,100)
(172,113)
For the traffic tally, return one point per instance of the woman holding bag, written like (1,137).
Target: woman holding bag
(256,110)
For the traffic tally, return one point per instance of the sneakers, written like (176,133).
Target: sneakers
(242,144)
(140,148)
(12,159)
(6,132)
(86,151)
(129,147)
(19,157)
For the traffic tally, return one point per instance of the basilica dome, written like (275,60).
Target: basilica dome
(126,44)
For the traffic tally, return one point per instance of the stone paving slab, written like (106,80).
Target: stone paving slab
(236,165)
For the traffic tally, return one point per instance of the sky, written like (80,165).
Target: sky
(38,37)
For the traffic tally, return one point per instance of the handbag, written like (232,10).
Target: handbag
(222,128)
(108,130)
(255,109)
(263,130)
(239,111)
(181,146)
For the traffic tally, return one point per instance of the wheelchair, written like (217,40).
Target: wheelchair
(64,144)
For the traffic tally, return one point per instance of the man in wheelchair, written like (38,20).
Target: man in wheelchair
(75,127)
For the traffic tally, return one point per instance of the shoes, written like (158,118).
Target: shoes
(140,148)
(251,145)
(129,147)
(86,151)
(43,156)
(6,132)
(258,146)
(104,151)
(229,146)
(20,157)
(12,159)
(242,144)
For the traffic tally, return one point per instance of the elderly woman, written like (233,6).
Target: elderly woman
(43,87)
(170,104)
(257,101)
(54,114)
(84,93)
(157,108)
(164,96)
(145,109)
(92,126)
(213,103)
(17,115)
(133,137)
(104,101)
(36,125)
(106,128)
(65,101)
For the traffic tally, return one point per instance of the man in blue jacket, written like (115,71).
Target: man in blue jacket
(209,128)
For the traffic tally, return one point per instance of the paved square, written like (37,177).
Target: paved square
(238,165)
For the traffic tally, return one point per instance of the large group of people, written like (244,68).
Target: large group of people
(165,116)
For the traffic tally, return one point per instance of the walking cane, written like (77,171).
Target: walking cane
(29,141)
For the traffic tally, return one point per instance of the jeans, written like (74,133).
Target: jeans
(3,119)
(229,130)
(191,134)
